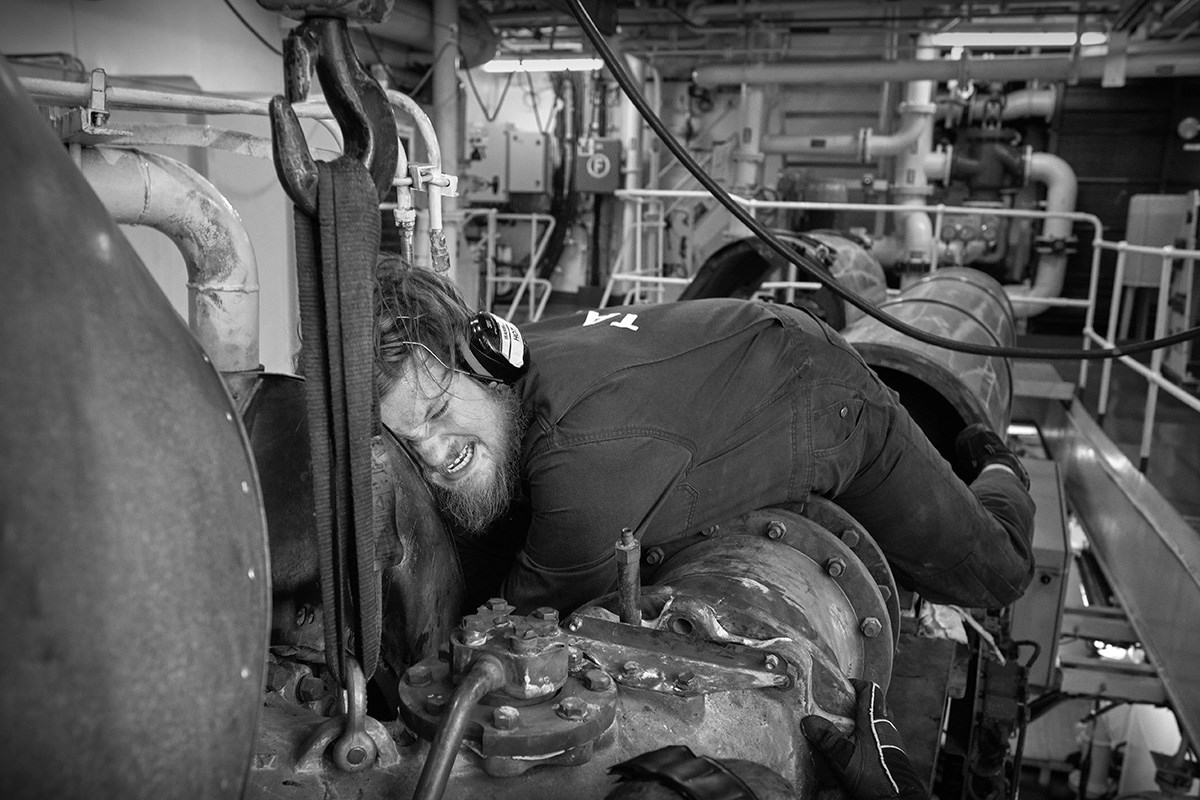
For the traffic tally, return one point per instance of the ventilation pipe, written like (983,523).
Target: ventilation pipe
(140,188)
(1061,188)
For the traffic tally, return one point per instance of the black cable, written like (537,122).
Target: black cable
(250,28)
(490,116)
(802,261)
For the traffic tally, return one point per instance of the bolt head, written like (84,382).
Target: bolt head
(597,680)
(572,708)
(835,567)
(418,675)
(630,668)
(506,718)
(686,679)
(496,604)
(871,627)
(435,704)
(545,613)
(850,537)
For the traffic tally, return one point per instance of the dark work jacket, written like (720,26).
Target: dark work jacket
(669,418)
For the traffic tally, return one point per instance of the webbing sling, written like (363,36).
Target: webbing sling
(335,265)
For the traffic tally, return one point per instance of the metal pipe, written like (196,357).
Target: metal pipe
(486,675)
(148,189)
(942,389)
(631,140)
(1061,190)
(443,220)
(629,577)
(1049,68)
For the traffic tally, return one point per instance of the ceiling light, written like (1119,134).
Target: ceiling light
(1009,39)
(542,65)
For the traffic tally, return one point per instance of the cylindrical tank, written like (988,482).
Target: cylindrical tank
(944,390)
(133,559)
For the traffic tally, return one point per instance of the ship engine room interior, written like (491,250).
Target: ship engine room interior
(600,399)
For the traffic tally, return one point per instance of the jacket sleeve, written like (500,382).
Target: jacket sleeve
(582,495)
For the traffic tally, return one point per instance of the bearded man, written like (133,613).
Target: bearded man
(667,419)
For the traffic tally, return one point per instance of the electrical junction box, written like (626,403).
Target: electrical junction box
(1037,615)
(487,165)
(526,162)
(598,165)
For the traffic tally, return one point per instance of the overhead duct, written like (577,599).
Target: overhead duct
(139,188)
(411,23)
(1048,68)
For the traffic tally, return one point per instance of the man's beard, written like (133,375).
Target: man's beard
(475,507)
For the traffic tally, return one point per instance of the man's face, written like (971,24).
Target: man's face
(464,433)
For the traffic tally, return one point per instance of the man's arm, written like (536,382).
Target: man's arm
(582,495)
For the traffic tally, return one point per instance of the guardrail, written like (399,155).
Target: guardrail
(528,282)
(648,272)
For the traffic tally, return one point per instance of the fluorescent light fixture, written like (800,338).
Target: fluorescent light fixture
(542,65)
(1008,39)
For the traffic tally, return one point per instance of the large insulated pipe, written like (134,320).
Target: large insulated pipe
(1061,189)
(140,188)
(133,563)
(944,390)
(1049,68)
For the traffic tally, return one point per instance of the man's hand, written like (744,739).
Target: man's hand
(871,761)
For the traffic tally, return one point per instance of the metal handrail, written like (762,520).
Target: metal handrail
(1156,380)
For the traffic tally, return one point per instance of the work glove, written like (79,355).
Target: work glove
(871,761)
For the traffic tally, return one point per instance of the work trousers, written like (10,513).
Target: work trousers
(952,543)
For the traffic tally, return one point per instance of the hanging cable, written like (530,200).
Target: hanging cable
(490,116)
(250,28)
(813,270)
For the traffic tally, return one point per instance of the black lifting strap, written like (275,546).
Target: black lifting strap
(335,264)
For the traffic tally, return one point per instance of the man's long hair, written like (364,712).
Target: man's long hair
(414,308)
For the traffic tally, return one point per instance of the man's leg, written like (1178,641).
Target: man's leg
(953,543)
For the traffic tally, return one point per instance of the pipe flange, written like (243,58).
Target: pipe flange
(837,520)
(505,727)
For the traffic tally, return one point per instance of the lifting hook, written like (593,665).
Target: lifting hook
(358,102)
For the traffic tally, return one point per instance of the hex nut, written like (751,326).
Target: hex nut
(835,567)
(771,661)
(776,529)
(870,627)
(630,668)
(597,680)
(654,556)
(574,624)
(418,675)
(506,718)
(686,679)
(435,704)
(571,708)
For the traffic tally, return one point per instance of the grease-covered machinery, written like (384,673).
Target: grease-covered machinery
(725,642)
(732,637)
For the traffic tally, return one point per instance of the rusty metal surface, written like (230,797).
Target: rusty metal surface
(772,573)
(133,559)
(961,304)
(663,661)
(1148,552)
